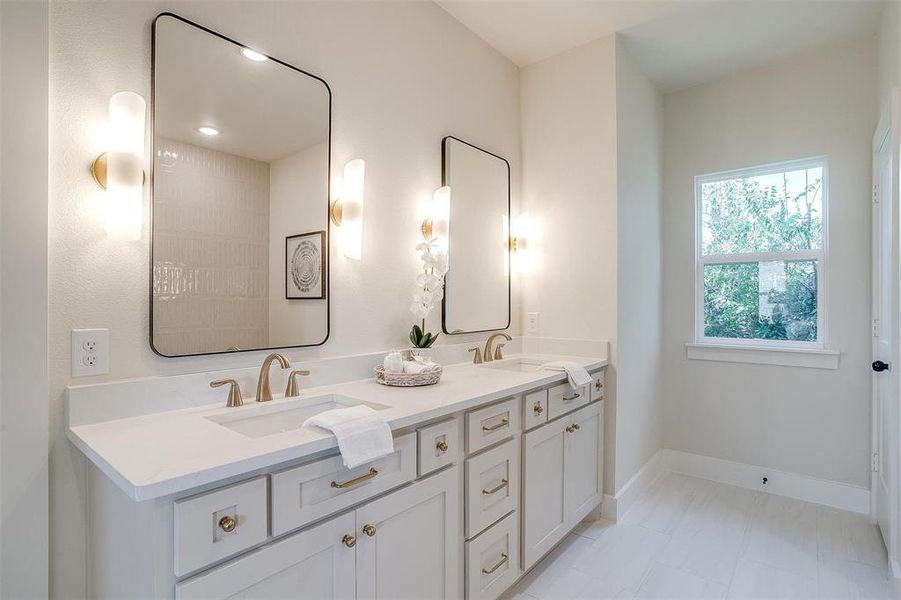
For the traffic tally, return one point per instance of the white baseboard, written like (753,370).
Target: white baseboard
(802,487)
(616,506)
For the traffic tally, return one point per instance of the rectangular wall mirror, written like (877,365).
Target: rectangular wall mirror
(240,180)
(477,287)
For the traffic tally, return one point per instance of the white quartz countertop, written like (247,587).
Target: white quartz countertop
(166,453)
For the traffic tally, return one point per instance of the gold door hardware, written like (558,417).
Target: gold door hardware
(570,398)
(352,482)
(570,429)
(496,488)
(369,529)
(576,426)
(234,391)
(227,524)
(538,409)
(504,422)
(598,385)
(441,446)
(349,540)
(499,564)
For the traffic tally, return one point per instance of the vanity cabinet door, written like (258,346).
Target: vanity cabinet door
(544,512)
(408,542)
(581,471)
(312,565)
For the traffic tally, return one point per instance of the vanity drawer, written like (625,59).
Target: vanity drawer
(597,385)
(489,425)
(492,486)
(534,409)
(437,446)
(492,560)
(309,492)
(219,524)
(562,399)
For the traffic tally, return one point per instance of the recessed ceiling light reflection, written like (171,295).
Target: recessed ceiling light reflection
(253,55)
(208,130)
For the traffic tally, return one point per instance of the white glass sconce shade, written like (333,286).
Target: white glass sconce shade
(347,211)
(125,167)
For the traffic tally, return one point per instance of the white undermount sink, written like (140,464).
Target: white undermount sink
(520,364)
(281,416)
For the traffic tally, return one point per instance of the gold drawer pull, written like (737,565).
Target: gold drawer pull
(227,524)
(351,482)
(369,529)
(538,409)
(496,488)
(504,422)
(499,564)
(570,398)
(441,446)
(349,540)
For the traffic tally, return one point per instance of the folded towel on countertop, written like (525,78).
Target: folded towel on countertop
(576,373)
(415,367)
(362,435)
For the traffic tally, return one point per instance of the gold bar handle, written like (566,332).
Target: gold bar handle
(499,564)
(496,488)
(570,398)
(504,422)
(352,482)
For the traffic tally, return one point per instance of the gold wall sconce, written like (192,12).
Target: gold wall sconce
(120,170)
(346,212)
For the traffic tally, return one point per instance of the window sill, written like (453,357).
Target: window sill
(785,357)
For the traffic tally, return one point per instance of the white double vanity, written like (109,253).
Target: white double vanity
(491,468)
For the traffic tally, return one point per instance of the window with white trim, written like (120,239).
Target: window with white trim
(761,255)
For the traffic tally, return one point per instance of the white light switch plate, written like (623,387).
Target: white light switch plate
(90,352)
(532,323)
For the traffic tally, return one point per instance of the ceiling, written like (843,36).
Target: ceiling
(678,43)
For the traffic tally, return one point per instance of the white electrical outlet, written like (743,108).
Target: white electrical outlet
(532,325)
(90,352)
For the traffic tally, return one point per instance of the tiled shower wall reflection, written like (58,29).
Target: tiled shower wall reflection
(210,250)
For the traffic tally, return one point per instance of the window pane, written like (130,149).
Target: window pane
(775,300)
(777,212)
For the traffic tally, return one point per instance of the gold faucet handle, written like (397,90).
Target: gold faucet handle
(498,355)
(293,389)
(234,392)
(477,357)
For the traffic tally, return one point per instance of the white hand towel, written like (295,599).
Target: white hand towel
(575,372)
(362,435)
(415,367)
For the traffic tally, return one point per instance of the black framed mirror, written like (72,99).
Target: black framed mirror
(240,196)
(477,285)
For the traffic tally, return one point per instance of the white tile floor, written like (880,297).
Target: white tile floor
(692,538)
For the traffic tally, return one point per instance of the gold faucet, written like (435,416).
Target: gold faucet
(486,355)
(264,393)
(293,389)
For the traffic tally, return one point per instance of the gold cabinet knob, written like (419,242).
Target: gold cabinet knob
(570,429)
(598,385)
(227,524)
(576,427)
(369,529)
(441,446)
(349,540)
(538,409)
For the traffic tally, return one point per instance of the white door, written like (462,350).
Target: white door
(581,472)
(315,564)
(544,512)
(407,542)
(885,323)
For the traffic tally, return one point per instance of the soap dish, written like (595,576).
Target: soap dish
(407,379)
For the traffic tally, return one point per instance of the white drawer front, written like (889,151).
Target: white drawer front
(597,386)
(487,426)
(309,492)
(438,446)
(563,399)
(492,560)
(219,524)
(492,486)
(534,409)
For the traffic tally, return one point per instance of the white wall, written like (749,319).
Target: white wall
(24,37)
(569,191)
(403,75)
(639,172)
(889,57)
(807,421)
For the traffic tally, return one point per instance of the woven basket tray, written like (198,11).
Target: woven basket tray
(407,379)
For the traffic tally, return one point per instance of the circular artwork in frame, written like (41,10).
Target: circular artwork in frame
(305,266)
